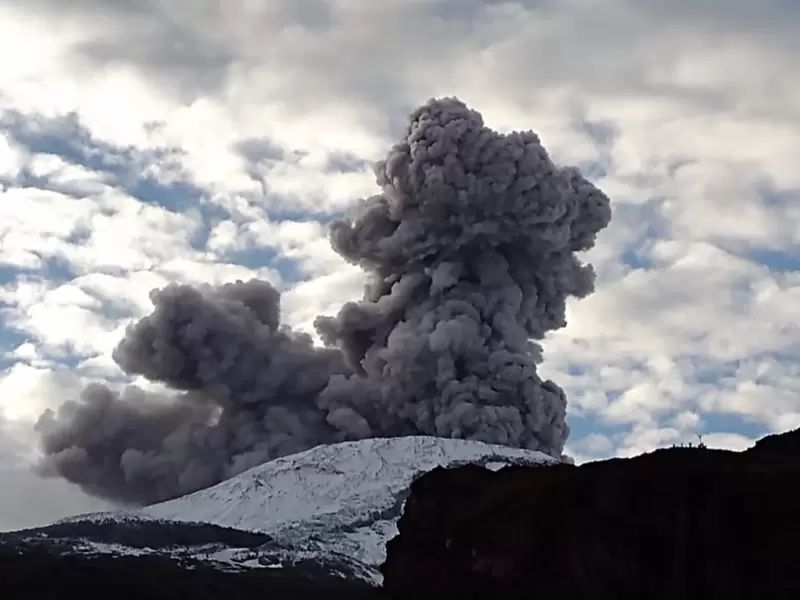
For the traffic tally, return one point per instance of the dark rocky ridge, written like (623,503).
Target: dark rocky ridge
(54,562)
(138,534)
(679,523)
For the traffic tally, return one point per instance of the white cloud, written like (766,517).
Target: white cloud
(640,403)
(646,439)
(214,273)
(322,295)
(726,201)
(11,158)
(113,249)
(104,231)
(23,259)
(303,242)
(687,420)
(26,391)
(591,447)
(700,300)
(730,441)
(765,389)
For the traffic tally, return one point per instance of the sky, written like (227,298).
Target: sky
(156,141)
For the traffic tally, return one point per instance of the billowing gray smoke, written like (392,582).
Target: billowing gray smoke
(470,251)
(251,390)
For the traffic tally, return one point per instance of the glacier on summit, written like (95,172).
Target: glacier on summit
(338,502)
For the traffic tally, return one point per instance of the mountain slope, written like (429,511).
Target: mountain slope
(335,505)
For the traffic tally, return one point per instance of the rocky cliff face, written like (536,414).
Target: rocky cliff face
(679,523)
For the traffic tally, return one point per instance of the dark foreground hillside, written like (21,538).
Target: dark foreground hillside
(677,524)
(37,573)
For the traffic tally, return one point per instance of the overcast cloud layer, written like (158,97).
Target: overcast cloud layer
(203,142)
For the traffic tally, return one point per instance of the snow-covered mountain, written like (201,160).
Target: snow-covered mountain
(333,505)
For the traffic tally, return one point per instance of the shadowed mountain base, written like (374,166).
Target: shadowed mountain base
(37,572)
(680,523)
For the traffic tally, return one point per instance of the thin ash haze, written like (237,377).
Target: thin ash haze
(192,142)
(470,252)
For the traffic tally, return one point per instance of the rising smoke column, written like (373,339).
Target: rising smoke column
(470,254)
(470,248)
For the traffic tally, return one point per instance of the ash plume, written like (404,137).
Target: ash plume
(250,391)
(470,250)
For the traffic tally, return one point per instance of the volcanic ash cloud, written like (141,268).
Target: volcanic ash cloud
(470,253)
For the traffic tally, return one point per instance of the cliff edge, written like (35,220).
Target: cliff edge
(678,523)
